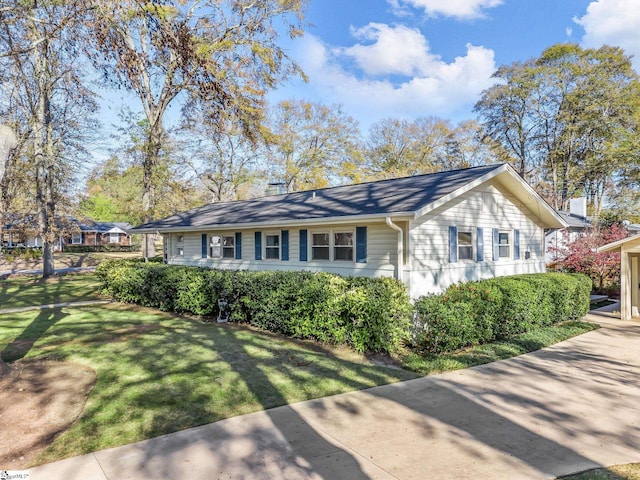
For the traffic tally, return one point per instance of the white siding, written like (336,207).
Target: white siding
(429,269)
(381,252)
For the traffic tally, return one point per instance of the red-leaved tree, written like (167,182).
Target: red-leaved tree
(580,256)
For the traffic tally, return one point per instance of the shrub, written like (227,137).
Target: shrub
(478,312)
(364,313)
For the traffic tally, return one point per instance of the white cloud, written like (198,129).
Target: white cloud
(613,22)
(418,84)
(396,50)
(461,9)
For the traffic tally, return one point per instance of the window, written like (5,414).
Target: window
(343,246)
(180,246)
(320,246)
(272,248)
(114,238)
(228,247)
(503,245)
(76,238)
(215,246)
(465,246)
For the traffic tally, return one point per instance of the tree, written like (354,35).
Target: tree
(44,99)
(310,145)
(398,148)
(224,160)
(560,116)
(580,256)
(507,113)
(220,52)
(8,142)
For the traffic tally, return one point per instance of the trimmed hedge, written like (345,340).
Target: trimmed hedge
(368,314)
(479,312)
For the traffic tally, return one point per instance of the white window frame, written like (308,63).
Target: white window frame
(472,236)
(112,236)
(351,246)
(332,244)
(266,247)
(211,245)
(179,245)
(327,246)
(226,251)
(76,238)
(507,245)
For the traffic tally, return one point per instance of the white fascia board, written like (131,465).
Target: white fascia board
(460,191)
(506,169)
(617,246)
(342,220)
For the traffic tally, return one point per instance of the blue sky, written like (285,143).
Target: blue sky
(418,58)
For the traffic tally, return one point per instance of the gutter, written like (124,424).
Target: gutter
(399,274)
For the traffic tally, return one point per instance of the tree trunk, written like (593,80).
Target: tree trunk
(43,157)
(151,159)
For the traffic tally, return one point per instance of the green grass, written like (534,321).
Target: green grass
(481,354)
(158,373)
(630,471)
(30,291)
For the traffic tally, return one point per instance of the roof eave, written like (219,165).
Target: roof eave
(341,220)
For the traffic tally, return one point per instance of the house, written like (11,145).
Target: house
(629,250)
(577,223)
(73,232)
(429,231)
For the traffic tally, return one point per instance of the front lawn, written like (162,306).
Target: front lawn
(158,373)
(426,364)
(630,471)
(31,291)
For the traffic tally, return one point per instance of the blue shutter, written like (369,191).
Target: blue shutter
(238,245)
(479,245)
(495,243)
(284,238)
(361,244)
(204,245)
(258,245)
(516,244)
(303,245)
(453,244)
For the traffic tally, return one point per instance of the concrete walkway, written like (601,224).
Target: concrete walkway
(570,407)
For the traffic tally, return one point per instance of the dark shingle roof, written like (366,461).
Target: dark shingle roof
(574,221)
(399,195)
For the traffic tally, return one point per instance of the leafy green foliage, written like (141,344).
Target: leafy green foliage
(479,312)
(365,313)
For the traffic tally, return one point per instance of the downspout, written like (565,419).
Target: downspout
(400,271)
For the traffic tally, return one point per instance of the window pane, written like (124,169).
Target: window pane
(215,247)
(465,253)
(343,239)
(503,251)
(273,240)
(320,239)
(228,241)
(343,253)
(503,238)
(320,253)
(272,253)
(464,238)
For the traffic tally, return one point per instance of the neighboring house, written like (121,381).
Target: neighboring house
(429,231)
(94,234)
(629,249)
(577,223)
(81,233)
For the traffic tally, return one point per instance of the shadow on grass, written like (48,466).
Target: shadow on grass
(20,346)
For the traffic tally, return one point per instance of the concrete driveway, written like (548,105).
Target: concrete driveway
(563,409)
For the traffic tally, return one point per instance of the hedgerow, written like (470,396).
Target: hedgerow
(479,312)
(368,314)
